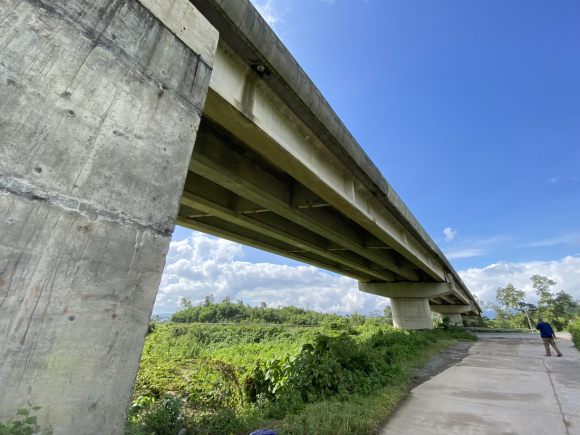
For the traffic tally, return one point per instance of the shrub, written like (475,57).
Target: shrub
(574,329)
(26,424)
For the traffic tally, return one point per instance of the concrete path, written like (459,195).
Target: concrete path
(504,386)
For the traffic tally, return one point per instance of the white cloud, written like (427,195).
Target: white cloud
(269,12)
(203,265)
(560,240)
(449,234)
(464,253)
(484,282)
(555,180)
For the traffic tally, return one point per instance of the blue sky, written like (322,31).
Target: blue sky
(471,110)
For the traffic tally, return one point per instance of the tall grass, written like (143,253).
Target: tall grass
(233,380)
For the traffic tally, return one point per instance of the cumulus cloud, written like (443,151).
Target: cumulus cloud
(449,234)
(484,282)
(203,265)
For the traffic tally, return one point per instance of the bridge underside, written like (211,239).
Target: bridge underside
(235,193)
(109,108)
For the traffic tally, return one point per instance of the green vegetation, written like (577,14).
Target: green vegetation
(512,311)
(574,329)
(334,379)
(25,423)
(236,312)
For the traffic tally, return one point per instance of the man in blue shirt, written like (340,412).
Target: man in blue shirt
(547,334)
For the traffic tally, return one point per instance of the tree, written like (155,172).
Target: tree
(388,311)
(557,308)
(209,300)
(510,298)
(542,286)
(185,303)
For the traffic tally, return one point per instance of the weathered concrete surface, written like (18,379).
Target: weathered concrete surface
(99,108)
(504,386)
(411,313)
(261,96)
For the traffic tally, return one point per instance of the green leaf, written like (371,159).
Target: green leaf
(22,412)
(36,408)
(31,420)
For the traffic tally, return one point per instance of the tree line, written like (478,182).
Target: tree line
(513,311)
(227,311)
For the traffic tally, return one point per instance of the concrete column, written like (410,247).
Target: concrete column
(411,313)
(472,319)
(100,105)
(455,319)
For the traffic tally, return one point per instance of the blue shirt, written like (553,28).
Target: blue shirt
(545,329)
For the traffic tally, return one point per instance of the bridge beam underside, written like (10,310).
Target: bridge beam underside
(96,131)
(235,193)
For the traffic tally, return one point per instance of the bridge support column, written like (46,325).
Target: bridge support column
(411,313)
(455,319)
(411,302)
(454,312)
(478,320)
(100,109)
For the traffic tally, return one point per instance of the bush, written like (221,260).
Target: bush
(148,416)
(574,329)
(234,379)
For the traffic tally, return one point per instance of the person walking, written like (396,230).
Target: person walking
(548,336)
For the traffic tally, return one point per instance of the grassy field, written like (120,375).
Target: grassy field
(237,379)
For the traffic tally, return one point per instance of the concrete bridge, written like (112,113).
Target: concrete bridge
(121,118)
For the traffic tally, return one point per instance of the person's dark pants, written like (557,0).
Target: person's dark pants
(550,341)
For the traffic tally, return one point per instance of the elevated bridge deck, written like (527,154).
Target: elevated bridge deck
(120,119)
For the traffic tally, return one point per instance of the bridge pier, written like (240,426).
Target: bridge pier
(100,110)
(412,302)
(411,313)
(454,312)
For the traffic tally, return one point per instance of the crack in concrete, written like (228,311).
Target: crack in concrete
(566,424)
(91,212)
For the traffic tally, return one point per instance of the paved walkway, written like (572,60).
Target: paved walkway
(504,386)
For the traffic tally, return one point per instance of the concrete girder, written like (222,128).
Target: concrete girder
(448,298)
(452,309)
(242,103)
(296,239)
(408,289)
(229,117)
(218,163)
(255,241)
